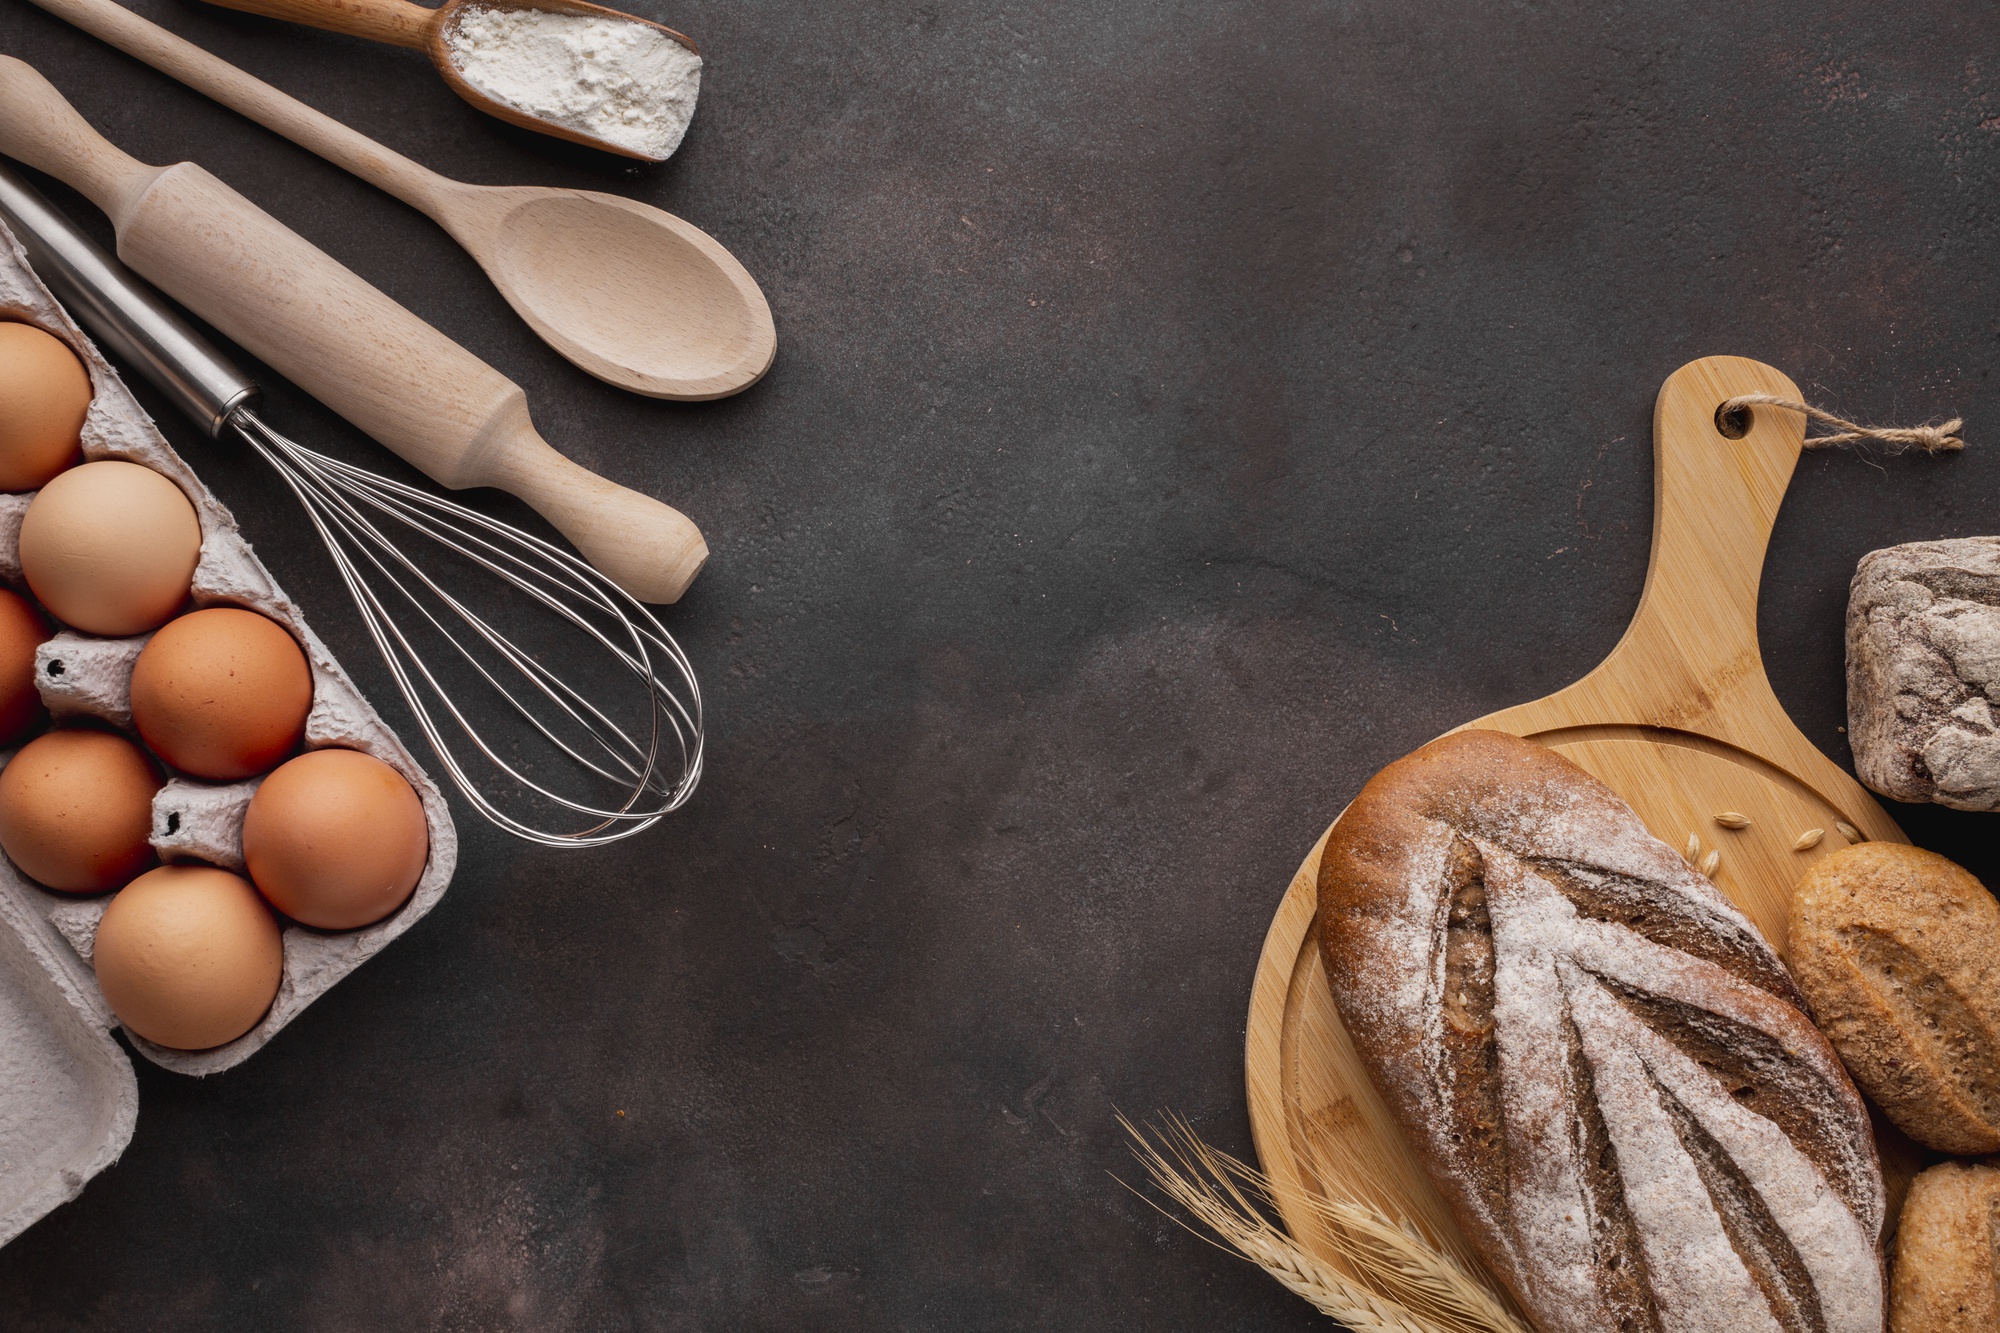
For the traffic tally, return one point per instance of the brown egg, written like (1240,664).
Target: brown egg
(44,396)
(336,839)
(110,547)
(22,630)
(189,957)
(76,807)
(221,693)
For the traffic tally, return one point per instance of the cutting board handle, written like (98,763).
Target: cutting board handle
(1692,646)
(1689,665)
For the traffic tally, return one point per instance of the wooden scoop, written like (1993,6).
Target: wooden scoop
(631,294)
(342,341)
(400,23)
(1679,720)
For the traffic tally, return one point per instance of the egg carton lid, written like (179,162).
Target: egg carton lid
(68,1095)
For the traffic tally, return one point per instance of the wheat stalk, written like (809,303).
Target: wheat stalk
(1389,1278)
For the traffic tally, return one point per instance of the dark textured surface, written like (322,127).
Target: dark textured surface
(1179,412)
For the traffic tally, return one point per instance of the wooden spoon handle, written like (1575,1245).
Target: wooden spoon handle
(397,22)
(311,130)
(347,344)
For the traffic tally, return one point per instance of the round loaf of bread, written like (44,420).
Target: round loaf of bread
(1947,1274)
(1898,953)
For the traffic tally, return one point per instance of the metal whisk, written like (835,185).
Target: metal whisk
(640,757)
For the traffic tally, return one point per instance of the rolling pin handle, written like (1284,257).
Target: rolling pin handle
(137,326)
(40,128)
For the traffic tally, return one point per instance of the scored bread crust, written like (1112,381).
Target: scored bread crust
(1895,949)
(1604,1068)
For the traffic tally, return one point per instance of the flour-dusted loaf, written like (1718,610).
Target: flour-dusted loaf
(1923,671)
(1603,1066)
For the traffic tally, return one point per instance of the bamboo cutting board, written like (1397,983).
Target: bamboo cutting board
(1679,720)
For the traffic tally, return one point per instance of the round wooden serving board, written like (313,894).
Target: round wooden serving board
(1679,720)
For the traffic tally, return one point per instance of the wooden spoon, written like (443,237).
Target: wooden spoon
(318,324)
(1679,720)
(627,292)
(400,23)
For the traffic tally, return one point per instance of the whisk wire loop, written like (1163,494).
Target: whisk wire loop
(372,551)
(651,768)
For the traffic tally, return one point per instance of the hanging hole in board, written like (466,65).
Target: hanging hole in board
(1732,422)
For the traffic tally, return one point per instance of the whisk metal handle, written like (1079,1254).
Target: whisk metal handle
(120,312)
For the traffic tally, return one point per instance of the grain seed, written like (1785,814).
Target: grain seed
(1710,862)
(1809,840)
(1731,819)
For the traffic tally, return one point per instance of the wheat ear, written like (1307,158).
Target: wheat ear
(1389,1278)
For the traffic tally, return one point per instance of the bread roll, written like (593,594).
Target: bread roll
(1947,1275)
(1923,629)
(1898,953)
(1603,1066)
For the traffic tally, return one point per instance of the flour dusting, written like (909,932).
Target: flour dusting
(1599,1060)
(614,79)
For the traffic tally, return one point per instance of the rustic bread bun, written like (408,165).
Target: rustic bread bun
(1603,1066)
(1947,1275)
(1898,952)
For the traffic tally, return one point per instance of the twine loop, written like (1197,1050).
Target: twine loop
(1941,439)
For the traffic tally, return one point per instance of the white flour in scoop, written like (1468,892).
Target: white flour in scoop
(611,78)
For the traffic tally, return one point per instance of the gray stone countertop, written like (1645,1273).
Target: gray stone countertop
(1179,412)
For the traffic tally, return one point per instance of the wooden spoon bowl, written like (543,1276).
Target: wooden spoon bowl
(438,46)
(1679,720)
(628,292)
(400,23)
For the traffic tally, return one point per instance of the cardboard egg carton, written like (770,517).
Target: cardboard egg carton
(68,1098)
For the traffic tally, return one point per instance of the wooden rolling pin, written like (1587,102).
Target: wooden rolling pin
(327,330)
